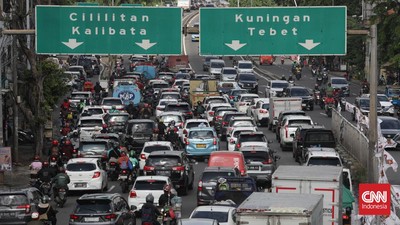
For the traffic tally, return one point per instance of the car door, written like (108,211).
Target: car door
(188,168)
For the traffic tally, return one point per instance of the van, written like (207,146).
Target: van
(228,159)
(244,66)
(216,66)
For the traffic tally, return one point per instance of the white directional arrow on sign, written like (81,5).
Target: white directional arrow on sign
(72,44)
(145,44)
(309,44)
(235,45)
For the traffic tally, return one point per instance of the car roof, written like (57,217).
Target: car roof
(387,118)
(99,196)
(241,118)
(244,128)
(83,160)
(174,113)
(215,208)
(178,103)
(293,117)
(279,81)
(81,92)
(202,129)
(90,118)
(341,78)
(140,120)
(197,221)
(164,178)
(196,120)
(244,61)
(249,95)
(118,114)
(168,153)
(111,98)
(154,143)
(251,132)
(218,169)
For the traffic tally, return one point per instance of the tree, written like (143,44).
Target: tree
(42,84)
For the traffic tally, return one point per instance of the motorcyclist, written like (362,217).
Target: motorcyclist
(149,212)
(113,109)
(131,109)
(61,180)
(54,147)
(104,129)
(35,166)
(81,105)
(134,161)
(46,211)
(97,88)
(172,132)
(65,105)
(316,88)
(290,78)
(113,154)
(146,111)
(88,86)
(200,108)
(161,129)
(364,85)
(283,77)
(65,130)
(329,90)
(124,162)
(67,149)
(165,198)
(45,174)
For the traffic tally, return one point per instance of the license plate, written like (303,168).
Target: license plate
(253,168)
(8,215)
(80,185)
(162,172)
(123,177)
(92,219)
(303,104)
(200,145)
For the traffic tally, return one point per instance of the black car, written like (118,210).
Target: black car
(208,182)
(218,115)
(303,93)
(173,164)
(16,207)
(116,121)
(248,81)
(139,131)
(182,107)
(104,208)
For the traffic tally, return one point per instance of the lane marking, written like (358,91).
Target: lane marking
(111,188)
(324,114)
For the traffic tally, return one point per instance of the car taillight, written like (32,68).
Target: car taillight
(74,151)
(211,113)
(73,217)
(159,108)
(26,207)
(132,194)
(224,123)
(110,216)
(218,117)
(345,217)
(112,163)
(263,111)
(231,141)
(96,175)
(53,159)
(242,172)
(286,131)
(178,168)
(185,131)
(187,141)
(142,156)
(124,171)
(189,113)
(231,97)
(200,186)
(215,141)
(148,168)
(269,161)
(238,145)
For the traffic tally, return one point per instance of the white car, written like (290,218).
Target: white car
(232,138)
(228,74)
(244,101)
(244,66)
(214,99)
(275,87)
(288,128)
(161,105)
(145,185)
(176,116)
(386,104)
(150,147)
(86,174)
(261,112)
(108,102)
(190,123)
(252,107)
(179,82)
(156,85)
(211,109)
(94,110)
(89,125)
(225,215)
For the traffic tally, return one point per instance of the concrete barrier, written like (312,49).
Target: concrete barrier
(351,138)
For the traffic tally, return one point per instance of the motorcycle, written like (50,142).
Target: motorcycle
(314,72)
(97,98)
(124,180)
(60,197)
(282,61)
(45,188)
(291,83)
(53,161)
(325,77)
(329,105)
(319,80)
(25,137)
(168,216)
(37,221)
(317,98)
(112,171)
(364,89)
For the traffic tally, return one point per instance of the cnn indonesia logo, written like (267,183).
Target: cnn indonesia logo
(374,199)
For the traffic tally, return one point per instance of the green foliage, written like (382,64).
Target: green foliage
(252,3)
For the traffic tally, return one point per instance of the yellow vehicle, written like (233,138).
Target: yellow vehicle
(199,89)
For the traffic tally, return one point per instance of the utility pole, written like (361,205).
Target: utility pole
(16,98)
(1,98)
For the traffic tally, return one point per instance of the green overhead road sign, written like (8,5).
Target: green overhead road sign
(108,30)
(273,31)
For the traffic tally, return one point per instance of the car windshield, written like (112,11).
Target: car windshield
(238,92)
(13,200)
(299,92)
(166,102)
(243,123)
(231,71)
(213,176)
(140,127)
(201,134)
(163,160)
(152,148)
(339,81)
(217,64)
(238,132)
(245,66)
(364,103)
(221,217)
(247,77)
(95,111)
(390,125)
(182,76)
(118,118)
(78,167)
(324,161)
(93,206)
(112,102)
(393,91)
(149,185)
(196,124)
(158,85)
(91,123)
(279,85)
(178,108)
(169,118)
(84,146)
(252,137)
(383,98)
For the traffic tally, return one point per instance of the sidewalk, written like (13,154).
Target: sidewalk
(20,174)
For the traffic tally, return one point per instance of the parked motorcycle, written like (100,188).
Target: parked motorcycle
(124,180)
(25,137)
(60,197)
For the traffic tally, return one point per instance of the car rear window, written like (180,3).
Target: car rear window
(265,106)
(79,96)
(92,146)
(170,96)
(160,85)
(299,122)
(91,123)
(215,100)
(150,149)
(196,124)
(163,160)
(239,92)
(320,137)
(164,103)
(140,127)
(255,156)
(229,116)
(279,85)
(252,137)
(95,111)
(76,167)
(112,102)
(201,134)
(149,185)
(238,132)
(221,217)
(324,161)
(119,118)
(93,206)
(179,108)
(213,176)
(9,200)
(247,77)
(169,118)
(242,123)
(230,71)
(247,98)
(390,124)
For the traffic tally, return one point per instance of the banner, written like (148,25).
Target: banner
(5,159)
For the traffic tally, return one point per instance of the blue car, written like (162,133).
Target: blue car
(201,141)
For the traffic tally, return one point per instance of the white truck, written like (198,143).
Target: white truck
(278,105)
(325,180)
(262,208)
(184,4)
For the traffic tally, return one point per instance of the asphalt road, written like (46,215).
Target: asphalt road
(318,116)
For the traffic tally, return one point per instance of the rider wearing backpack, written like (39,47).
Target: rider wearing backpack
(149,212)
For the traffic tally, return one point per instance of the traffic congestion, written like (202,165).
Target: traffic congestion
(189,139)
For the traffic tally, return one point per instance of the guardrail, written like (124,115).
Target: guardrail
(185,23)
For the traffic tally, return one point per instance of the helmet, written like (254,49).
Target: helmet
(283,75)
(65,100)
(145,105)
(45,164)
(98,83)
(199,103)
(167,188)
(150,198)
(329,84)
(123,153)
(44,201)
(36,157)
(172,122)
(316,85)
(67,142)
(132,154)
(66,124)
(113,107)
(54,143)
(104,125)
